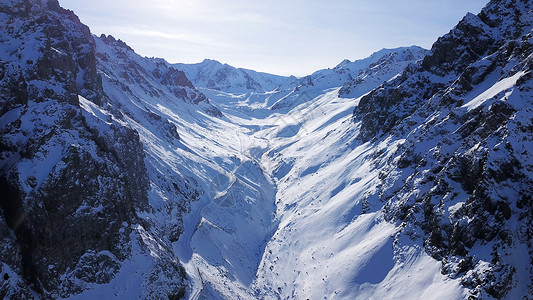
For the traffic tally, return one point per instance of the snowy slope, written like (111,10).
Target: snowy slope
(304,213)
(204,171)
(332,241)
(403,175)
(233,216)
(387,206)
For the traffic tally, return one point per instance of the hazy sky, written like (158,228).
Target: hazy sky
(282,37)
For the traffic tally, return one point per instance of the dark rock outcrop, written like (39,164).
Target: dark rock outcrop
(71,189)
(463,173)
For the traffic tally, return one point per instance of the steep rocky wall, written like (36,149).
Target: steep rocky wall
(463,175)
(71,191)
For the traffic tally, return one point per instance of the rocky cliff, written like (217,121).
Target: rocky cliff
(463,175)
(72,182)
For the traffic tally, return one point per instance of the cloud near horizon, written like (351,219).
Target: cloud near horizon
(282,37)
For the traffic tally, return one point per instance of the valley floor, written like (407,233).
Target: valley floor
(286,215)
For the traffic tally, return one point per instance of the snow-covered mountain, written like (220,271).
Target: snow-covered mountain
(124,69)
(380,67)
(460,182)
(356,78)
(77,185)
(284,93)
(73,176)
(406,175)
(212,74)
(352,70)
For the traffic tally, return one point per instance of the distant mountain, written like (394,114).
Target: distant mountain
(385,65)
(260,92)
(355,78)
(215,75)
(388,62)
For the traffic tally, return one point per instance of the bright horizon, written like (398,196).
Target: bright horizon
(284,38)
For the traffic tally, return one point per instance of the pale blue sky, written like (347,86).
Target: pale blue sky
(281,37)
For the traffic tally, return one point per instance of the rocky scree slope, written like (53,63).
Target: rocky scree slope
(73,178)
(460,184)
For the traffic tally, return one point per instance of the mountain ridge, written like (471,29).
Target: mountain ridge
(213,74)
(403,175)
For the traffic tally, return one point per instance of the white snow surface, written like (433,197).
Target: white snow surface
(502,89)
(281,211)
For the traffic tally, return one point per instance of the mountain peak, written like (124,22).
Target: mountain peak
(213,74)
(112,41)
(343,63)
(210,61)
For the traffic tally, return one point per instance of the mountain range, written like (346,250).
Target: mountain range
(407,174)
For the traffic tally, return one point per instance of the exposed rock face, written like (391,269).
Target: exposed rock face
(72,185)
(13,87)
(463,174)
(51,45)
